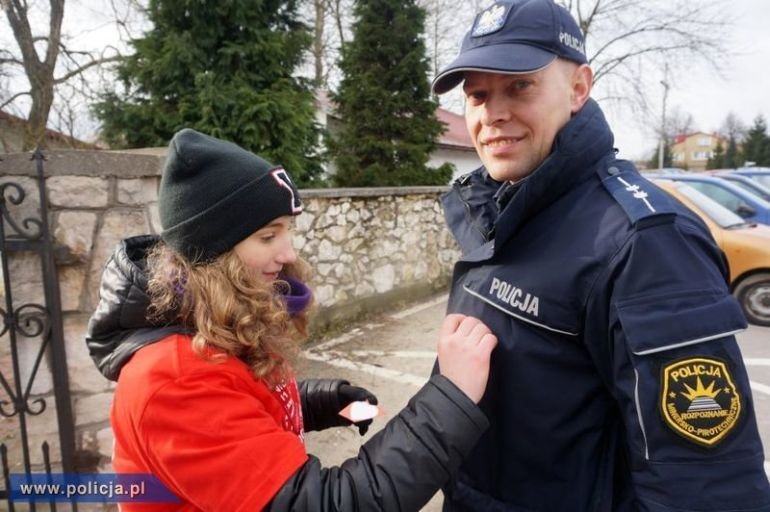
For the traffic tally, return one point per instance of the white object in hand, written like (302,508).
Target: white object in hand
(360,411)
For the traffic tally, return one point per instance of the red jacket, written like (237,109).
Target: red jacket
(211,432)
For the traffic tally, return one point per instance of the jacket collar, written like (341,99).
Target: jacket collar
(579,145)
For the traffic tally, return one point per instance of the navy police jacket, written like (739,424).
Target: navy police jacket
(617,383)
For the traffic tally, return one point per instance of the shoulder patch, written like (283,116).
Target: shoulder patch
(639,198)
(699,400)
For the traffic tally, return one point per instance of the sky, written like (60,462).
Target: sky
(744,89)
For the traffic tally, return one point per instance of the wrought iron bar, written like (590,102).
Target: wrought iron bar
(31,235)
(44,329)
(53,302)
(16,197)
(9,321)
(47,463)
(6,476)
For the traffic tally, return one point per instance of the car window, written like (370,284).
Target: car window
(722,196)
(751,187)
(715,211)
(764,180)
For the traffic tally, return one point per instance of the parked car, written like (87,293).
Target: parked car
(732,197)
(664,170)
(746,183)
(760,174)
(746,245)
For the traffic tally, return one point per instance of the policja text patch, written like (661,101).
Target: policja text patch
(699,400)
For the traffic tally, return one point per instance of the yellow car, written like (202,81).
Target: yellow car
(746,245)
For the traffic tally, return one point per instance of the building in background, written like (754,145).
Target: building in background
(453,146)
(692,150)
(12,136)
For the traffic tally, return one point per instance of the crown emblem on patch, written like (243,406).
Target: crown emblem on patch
(699,400)
(489,21)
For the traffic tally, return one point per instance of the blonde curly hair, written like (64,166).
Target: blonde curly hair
(229,309)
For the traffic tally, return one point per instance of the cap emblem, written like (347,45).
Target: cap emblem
(490,20)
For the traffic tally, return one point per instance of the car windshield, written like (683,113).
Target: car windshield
(715,211)
(763,179)
(754,187)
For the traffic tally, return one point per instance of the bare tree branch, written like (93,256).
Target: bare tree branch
(333,7)
(11,61)
(12,98)
(585,23)
(319,8)
(123,13)
(16,12)
(81,69)
(46,67)
(607,67)
(733,127)
(54,32)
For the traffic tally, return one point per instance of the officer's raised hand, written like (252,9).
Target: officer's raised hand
(464,348)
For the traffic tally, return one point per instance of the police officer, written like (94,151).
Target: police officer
(617,383)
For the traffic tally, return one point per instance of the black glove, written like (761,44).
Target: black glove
(323,399)
(348,394)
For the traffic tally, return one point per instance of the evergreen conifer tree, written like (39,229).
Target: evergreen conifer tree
(731,154)
(717,160)
(225,69)
(756,147)
(389,126)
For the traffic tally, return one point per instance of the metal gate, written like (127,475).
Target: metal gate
(34,384)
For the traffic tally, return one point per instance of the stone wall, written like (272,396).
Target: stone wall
(368,248)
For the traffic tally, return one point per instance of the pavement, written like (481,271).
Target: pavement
(393,353)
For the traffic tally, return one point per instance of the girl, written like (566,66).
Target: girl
(206,399)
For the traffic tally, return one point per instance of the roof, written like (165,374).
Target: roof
(681,137)
(49,133)
(456,134)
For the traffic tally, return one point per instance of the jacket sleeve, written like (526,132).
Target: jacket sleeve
(401,467)
(322,400)
(319,402)
(673,365)
(119,325)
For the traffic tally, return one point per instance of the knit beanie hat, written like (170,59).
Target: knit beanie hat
(213,194)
